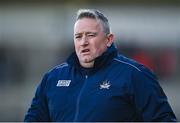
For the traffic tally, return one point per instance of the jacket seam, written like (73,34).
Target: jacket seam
(127,64)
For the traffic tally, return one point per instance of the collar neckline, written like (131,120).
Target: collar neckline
(100,61)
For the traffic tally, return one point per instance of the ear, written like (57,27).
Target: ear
(110,39)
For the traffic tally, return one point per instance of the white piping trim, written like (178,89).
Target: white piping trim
(61,65)
(127,64)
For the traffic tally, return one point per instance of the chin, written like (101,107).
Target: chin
(87,60)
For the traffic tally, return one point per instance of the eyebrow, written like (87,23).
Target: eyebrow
(86,33)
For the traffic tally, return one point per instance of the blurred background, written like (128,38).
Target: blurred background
(36,35)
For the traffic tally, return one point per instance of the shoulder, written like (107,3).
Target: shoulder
(127,62)
(60,66)
(134,66)
(57,69)
(53,74)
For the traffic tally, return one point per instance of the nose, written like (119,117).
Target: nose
(84,40)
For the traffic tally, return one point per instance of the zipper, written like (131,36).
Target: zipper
(78,100)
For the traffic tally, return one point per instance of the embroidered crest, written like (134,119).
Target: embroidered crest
(105,84)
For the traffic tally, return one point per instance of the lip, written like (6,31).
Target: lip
(85,51)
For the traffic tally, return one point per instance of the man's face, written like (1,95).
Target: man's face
(89,39)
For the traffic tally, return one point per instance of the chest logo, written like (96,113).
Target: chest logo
(105,84)
(64,83)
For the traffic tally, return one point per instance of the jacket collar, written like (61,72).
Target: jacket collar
(100,61)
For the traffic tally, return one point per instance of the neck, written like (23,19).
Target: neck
(87,65)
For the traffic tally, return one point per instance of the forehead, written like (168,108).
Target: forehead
(87,24)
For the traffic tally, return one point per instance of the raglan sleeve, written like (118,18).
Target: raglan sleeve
(149,98)
(38,110)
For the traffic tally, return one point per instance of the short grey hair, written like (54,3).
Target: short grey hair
(94,14)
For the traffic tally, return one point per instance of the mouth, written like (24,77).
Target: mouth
(85,51)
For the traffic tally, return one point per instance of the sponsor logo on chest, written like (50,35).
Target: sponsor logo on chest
(63,83)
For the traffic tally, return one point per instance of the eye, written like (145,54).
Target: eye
(77,36)
(91,35)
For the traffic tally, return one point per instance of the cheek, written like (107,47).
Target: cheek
(76,46)
(99,48)
(101,45)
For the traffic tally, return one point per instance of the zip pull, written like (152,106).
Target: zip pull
(86,76)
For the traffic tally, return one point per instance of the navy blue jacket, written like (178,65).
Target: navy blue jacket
(115,89)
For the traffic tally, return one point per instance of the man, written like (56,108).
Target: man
(97,84)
